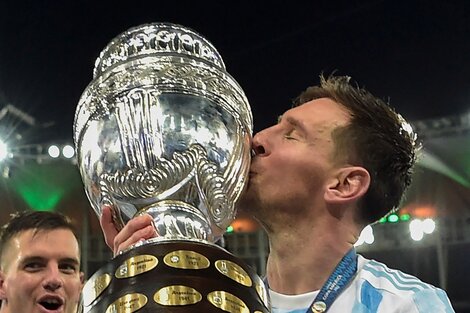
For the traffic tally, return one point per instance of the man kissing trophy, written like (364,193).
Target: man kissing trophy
(163,129)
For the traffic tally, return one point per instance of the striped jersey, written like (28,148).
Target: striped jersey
(374,289)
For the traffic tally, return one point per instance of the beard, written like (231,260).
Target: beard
(250,204)
(247,200)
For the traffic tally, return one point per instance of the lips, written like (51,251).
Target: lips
(51,303)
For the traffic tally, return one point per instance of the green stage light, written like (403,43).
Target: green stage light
(405,217)
(229,229)
(393,218)
(42,187)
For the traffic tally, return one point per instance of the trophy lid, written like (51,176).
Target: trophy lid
(150,45)
(156,38)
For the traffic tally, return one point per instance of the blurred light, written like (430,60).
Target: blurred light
(359,242)
(428,226)
(405,217)
(416,230)
(68,151)
(366,236)
(6,173)
(229,229)
(53,151)
(3,150)
(424,211)
(393,218)
(417,235)
(383,220)
(244,225)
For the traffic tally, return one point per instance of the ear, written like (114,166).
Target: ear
(3,295)
(82,279)
(349,184)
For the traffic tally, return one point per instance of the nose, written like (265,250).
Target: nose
(53,279)
(259,144)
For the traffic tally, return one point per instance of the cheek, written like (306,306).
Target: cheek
(302,178)
(74,288)
(20,287)
(292,173)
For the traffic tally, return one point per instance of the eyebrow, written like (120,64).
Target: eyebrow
(42,259)
(70,260)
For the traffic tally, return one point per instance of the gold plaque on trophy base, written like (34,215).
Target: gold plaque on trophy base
(94,287)
(186,259)
(175,276)
(177,296)
(233,271)
(227,302)
(136,265)
(128,303)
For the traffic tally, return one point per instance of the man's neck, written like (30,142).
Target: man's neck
(301,261)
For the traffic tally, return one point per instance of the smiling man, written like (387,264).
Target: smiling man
(39,264)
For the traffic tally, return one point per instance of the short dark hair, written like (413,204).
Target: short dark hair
(377,138)
(36,220)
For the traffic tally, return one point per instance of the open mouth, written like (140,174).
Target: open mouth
(51,303)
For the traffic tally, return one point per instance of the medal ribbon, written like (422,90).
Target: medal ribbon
(338,280)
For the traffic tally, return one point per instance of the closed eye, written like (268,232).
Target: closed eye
(291,135)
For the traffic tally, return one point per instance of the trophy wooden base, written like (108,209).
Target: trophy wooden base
(175,276)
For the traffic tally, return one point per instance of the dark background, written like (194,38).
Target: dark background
(415,53)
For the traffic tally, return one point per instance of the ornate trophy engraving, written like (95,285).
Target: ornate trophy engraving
(163,129)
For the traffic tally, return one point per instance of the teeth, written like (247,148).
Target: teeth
(52,301)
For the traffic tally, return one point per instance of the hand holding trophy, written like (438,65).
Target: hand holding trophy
(164,130)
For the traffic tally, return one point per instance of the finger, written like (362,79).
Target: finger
(140,235)
(137,228)
(107,226)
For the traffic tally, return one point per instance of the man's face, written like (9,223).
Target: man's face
(40,273)
(294,159)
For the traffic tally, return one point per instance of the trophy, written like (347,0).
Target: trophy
(163,129)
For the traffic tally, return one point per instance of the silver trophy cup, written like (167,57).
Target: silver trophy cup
(163,129)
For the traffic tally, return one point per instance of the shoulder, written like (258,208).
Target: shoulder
(384,285)
(391,280)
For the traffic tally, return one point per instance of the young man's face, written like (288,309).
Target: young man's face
(40,273)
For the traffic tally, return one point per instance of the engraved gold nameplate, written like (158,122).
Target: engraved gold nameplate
(233,271)
(227,302)
(93,288)
(177,295)
(136,265)
(263,293)
(128,303)
(186,259)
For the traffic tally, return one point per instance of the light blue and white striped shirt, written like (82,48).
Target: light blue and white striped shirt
(375,289)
